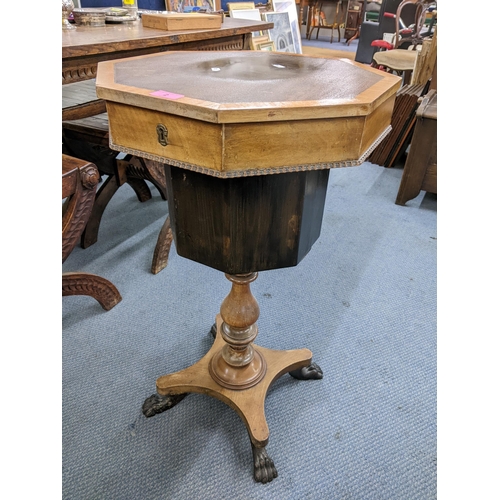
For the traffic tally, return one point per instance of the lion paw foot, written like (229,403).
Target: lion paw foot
(158,404)
(311,372)
(264,470)
(213,330)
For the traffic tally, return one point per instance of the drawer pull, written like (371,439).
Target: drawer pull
(162,132)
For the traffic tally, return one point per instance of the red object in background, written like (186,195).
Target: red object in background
(382,44)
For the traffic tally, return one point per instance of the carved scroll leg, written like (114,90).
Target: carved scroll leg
(104,195)
(158,404)
(162,248)
(92,285)
(140,169)
(264,470)
(311,372)
(140,188)
(155,173)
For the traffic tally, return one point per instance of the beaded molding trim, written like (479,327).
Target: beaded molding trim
(254,171)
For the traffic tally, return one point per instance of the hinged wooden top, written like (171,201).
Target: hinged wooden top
(233,114)
(245,86)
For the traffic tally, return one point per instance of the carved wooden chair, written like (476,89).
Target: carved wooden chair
(79,185)
(89,138)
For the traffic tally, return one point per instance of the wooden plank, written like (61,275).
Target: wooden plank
(84,110)
(426,61)
(402,122)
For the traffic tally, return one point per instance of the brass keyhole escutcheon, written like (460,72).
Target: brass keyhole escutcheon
(162,132)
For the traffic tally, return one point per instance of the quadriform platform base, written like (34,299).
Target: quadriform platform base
(241,387)
(248,140)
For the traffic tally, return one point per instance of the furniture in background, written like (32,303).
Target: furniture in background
(395,144)
(371,30)
(142,4)
(89,138)
(319,20)
(400,53)
(355,13)
(85,122)
(372,9)
(84,47)
(423,78)
(312,6)
(426,64)
(244,195)
(79,184)
(399,61)
(420,170)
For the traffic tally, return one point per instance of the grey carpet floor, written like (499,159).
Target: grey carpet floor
(363,300)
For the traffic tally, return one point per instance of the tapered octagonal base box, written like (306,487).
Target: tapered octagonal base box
(246,224)
(248,138)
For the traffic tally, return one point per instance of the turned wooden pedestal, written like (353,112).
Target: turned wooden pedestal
(237,372)
(237,225)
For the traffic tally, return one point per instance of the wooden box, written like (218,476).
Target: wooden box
(254,114)
(178,21)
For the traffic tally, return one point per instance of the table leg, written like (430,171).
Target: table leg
(237,372)
(310,12)
(162,248)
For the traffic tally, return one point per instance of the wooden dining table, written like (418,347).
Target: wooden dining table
(85,46)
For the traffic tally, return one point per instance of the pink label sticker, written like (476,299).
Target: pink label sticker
(166,95)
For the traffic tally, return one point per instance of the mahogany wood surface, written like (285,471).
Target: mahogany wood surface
(86,46)
(247,86)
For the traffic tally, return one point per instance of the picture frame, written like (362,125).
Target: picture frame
(257,40)
(187,5)
(290,7)
(267,46)
(231,6)
(251,14)
(281,34)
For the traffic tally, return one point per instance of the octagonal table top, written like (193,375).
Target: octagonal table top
(245,86)
(241,113)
